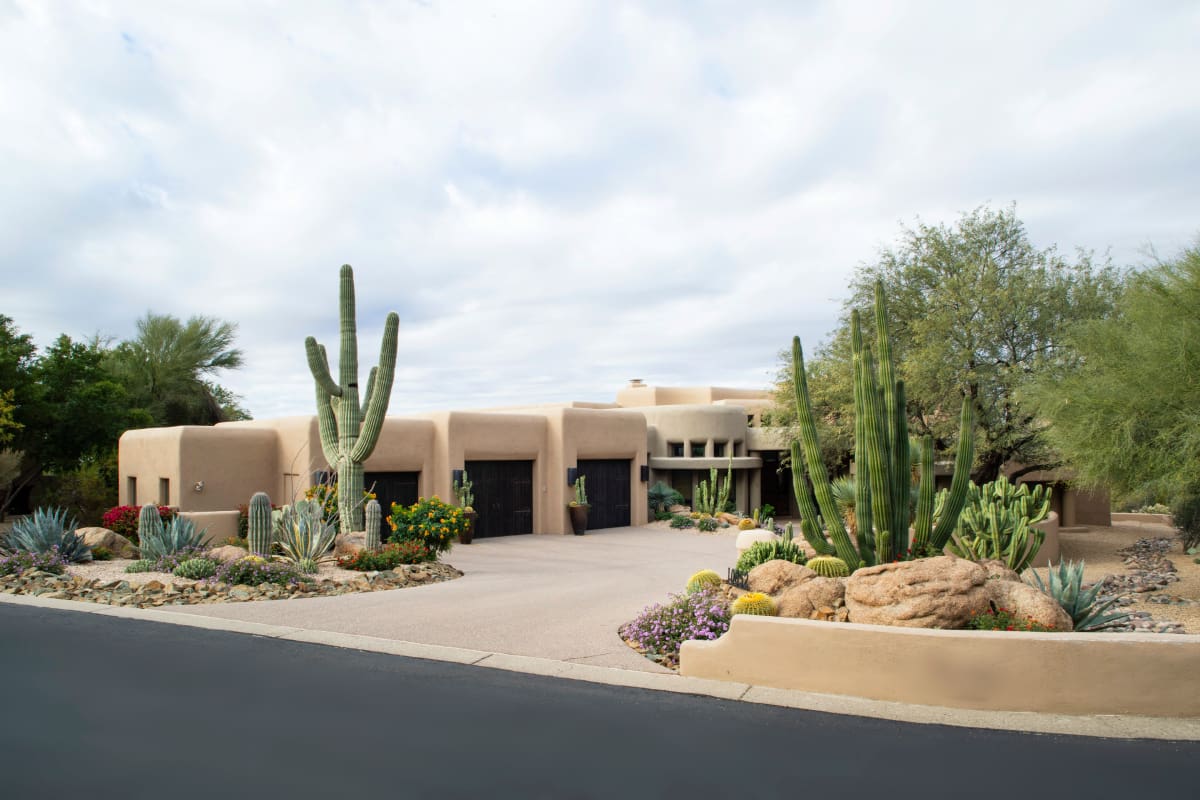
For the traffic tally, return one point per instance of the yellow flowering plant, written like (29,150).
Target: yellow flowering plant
(431,522)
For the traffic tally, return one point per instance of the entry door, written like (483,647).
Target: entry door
(776,484)
(607,490)
(392,487)
(503,497)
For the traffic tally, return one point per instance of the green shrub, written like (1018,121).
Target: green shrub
(23,561)
(1186,517)
(85,492)
(101,554)
(682,521)
(707,524)
(762,552)
(255,570)
(196,568)
(141,565)
(660,516)
(1001,619)
(431,523)
(390,556)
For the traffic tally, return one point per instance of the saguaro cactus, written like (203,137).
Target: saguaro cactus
(882,486)
(259,524)
(349,431)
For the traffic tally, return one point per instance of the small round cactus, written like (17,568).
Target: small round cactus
(196,568)
(747,525)
(704,579)
(756,604)
(829,566)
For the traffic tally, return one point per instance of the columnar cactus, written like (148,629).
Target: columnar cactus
(259,524)
(374,520)
(150,524)
(349,431)
(883,482)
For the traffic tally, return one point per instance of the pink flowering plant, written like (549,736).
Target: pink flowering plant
(22,561)
(661,629)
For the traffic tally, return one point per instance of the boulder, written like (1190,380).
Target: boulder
(774,577)
(348,544)
(732,519)
(678,509)
(997,571)
(802,599)
(103,537)
(745,539)
(1025,601)
(227,552)
(939,592)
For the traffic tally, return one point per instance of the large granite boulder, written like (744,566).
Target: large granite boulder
(774,577)
(802,599)
(940,592)
(103,537)
(1027,602)
(228,552)
(747,539)
(346,545)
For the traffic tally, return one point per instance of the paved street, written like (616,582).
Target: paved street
(105,707)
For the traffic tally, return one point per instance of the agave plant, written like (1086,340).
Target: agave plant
(1065,585)
(305,535)
(159,541)
(45,530)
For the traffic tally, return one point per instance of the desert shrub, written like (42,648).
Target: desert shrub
(661,629)
(682,521)
(707,524)
(1186,517)
(48,529)
(124,520)
(390,556)
(431,522)
(255,570)
(102,554)
(762,552)
(1001,619)
(23,561)
(660,516)
(196,568)
(1153,508)
(84,492)
(141,565)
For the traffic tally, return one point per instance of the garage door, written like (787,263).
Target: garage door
(503,497)
(392,487)
(607,490)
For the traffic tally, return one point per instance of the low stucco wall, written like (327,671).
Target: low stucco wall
(221,525)
(1063,673)
(1155,519)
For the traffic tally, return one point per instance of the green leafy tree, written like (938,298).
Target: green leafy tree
(1126,413)
(167,367)
(975,308)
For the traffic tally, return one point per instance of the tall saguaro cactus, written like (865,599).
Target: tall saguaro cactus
(349,431)
(882,486)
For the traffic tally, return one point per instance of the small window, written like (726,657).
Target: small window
(749,420)
(675,449)
(697,449)
(131,491)
(164,491)
(718,449)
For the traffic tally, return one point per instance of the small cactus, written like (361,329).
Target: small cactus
(196,568)
(829,567)
(374,518)
(747,525)
(150,524)
(756,604)
(260,524)
(704,579)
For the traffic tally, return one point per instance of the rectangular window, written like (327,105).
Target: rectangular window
(675,449)
(131,491)
(697,449)
(749,420)
(718,449)
(164,491)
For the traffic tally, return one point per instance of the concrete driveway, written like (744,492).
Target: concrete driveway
(559,597)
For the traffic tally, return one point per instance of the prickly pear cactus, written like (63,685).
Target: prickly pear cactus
(374,519)
(704,579)
(259,527)
(829,567)
(755,604)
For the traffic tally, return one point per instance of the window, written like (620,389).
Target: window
(675,449)
(164,491)
(131,491)
(718,449)
(749,420)
(697,449)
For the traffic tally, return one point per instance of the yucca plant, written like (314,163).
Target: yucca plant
(304,535)
(1065,585)
(44,530)
(159,541)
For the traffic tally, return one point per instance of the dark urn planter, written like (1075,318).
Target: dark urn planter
(579,516)
(469,534)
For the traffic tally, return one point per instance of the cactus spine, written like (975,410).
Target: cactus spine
(756,604)
(150,524)
(828,567)
(882,505)
(259,524)
(374,519)
(349,430)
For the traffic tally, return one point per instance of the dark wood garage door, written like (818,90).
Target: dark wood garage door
(392,487)
(608,491)
(503,497)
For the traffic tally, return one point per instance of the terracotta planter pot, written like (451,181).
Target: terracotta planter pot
(467,536)
(579,515)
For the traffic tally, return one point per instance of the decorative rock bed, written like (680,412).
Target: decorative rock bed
(179,592)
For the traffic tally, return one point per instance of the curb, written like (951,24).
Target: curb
(1104,726)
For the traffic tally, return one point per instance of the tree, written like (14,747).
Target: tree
(974,308)
(165,367)
(1126,414)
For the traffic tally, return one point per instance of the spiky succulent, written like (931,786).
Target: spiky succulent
(196,568)
(46,529)
(1065,585)
(141,565)
(829,567)
(303,533)
(308,566)
(704,579)
(762,552)
(756,604)
(158,541)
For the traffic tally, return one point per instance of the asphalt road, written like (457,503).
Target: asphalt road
(105,707)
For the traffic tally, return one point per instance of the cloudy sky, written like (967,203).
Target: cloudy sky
(559,196)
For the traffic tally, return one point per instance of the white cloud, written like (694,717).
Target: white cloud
(558,196)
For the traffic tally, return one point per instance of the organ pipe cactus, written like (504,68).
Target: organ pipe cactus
(997,522)
(349,430)
(259,524)
(883,483)
(374,519)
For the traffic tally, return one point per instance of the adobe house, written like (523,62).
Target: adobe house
(522,461)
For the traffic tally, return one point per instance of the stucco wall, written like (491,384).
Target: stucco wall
(1062,673)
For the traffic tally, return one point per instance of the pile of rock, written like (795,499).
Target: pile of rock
(183,592)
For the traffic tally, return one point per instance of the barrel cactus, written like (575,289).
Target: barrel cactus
(829,566)
(704,579)
(259,524)
(374,518)
(756,604)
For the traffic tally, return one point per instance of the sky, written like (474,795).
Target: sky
(558,196)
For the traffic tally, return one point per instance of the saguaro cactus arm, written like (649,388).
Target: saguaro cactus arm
(318,365)
(379,390)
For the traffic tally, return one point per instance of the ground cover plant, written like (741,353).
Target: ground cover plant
(390,556)
(23,561)
(255,570)
(661,629)
(1001,619)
